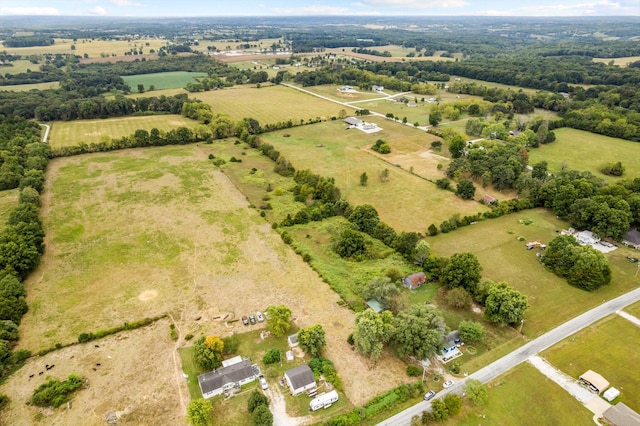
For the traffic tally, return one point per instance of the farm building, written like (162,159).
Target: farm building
(488,199)
(611,394)
(621,415)
(414,281)
(374,305)
(632,238)
(234,374)
(352,121)
(376,88)
(300,379)
(594,381)
(293,340)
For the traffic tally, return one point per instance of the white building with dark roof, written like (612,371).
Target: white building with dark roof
(232,375)
(300,379)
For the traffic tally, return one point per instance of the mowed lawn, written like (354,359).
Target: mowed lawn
(503,258)
(580,150)
(143,232)
(406,202)
(268,104)
(523,397)
(634,309)
(608,347)
(162,80)
(71,133)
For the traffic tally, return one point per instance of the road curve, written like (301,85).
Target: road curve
(46,132)
(521,354)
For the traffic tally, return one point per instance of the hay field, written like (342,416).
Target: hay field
(503,258)
(21,65)
(32,86)
(580,150)
(70,133)
(137,378)
(406,202)
(140,232)
(93,48)
(268,104)
(607,347)
(622,61)
(163,80)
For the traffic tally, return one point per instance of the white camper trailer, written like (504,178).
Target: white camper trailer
(323,401)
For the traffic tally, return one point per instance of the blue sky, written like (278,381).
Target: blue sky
(175,8)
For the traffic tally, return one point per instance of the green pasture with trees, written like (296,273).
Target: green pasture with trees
(581,150)
(162,80)
(606,347)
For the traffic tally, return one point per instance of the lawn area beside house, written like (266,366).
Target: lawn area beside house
(72,133)
(523,396)
(331,91)
(608,347)
(581,150)
(271,104)
(504,258)
(633,309)
(331,151)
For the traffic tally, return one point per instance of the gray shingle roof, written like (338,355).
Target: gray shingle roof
(300,376)
(218,378)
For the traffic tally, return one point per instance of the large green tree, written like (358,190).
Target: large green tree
(476,391)
(505,305)
(466,189)
(383,290)
(312,339)
(255,400)
(365,217)
(262,416)
(462,270)
(208,351)
(372,331)
(350,243)
(279,319)
(199,412)
(471,331)
(418,331)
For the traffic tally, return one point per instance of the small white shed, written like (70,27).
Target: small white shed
(611,394)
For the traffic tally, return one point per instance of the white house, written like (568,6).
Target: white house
(233,375)
(300,379)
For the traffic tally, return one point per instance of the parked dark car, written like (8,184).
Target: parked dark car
(252,319)
(245,321)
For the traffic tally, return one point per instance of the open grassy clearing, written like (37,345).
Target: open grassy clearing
(8,200)
(634,309)
(398,55)
(141,232)
(504,258)
(136,377)
(33,86)
(93,48)
(157,93)
(523,396)
(331,91)
(19,66)
(70,133)
(608,347)
(163,80)
(266,65)
(222,45)
(455,79)
(268,104)
(622,61)
(343,156)
(580,150)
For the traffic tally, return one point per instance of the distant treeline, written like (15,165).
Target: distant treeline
(28,41)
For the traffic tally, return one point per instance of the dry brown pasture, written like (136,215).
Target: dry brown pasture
(141,232)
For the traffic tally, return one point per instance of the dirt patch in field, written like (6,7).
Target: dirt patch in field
(169,235)
(138,386)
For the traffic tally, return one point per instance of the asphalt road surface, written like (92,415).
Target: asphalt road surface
(521,354)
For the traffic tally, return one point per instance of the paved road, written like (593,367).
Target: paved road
(46,132)
(521,354)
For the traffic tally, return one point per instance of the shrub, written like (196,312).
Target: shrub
(54,393)
(190,336)
(272,356)
(256,399)
(414,371)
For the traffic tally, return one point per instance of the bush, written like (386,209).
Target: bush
(272,356)
(190,336)
(54,393)
(256,399)
(414,371)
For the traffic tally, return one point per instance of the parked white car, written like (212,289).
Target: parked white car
(259,316)
(263,383)
(448,384)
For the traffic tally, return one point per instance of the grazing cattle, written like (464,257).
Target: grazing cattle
(94,369)
(98,364)
(46,366)
(41,373)
(97,346)
(31,376)
(51,366)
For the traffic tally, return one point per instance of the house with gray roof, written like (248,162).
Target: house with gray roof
(632,238)
(300,379)
(225,378)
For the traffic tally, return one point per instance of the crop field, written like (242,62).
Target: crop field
(133,374)
(504,258)
(622,61)
(268,104)
(580,150)
(93,48)
(71,133)
(141,232)
(330,150)
(607,347)
(32,86)
(8,200)
(163,80)
(523,396)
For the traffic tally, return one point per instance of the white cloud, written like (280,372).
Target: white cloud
(98,10)
(29,11)
(597,8)
(121,2)
(311,10)
(416,4)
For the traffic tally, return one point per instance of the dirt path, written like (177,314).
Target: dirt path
(279,410)
(177,366)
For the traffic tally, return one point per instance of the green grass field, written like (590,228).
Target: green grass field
(8,200)
(504,258)
(70,133)
(634,309)
(523,397)
(607,347)
(331,91)
(162,80)
(20,66)
(268,104)
(343,157)
(580,150)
